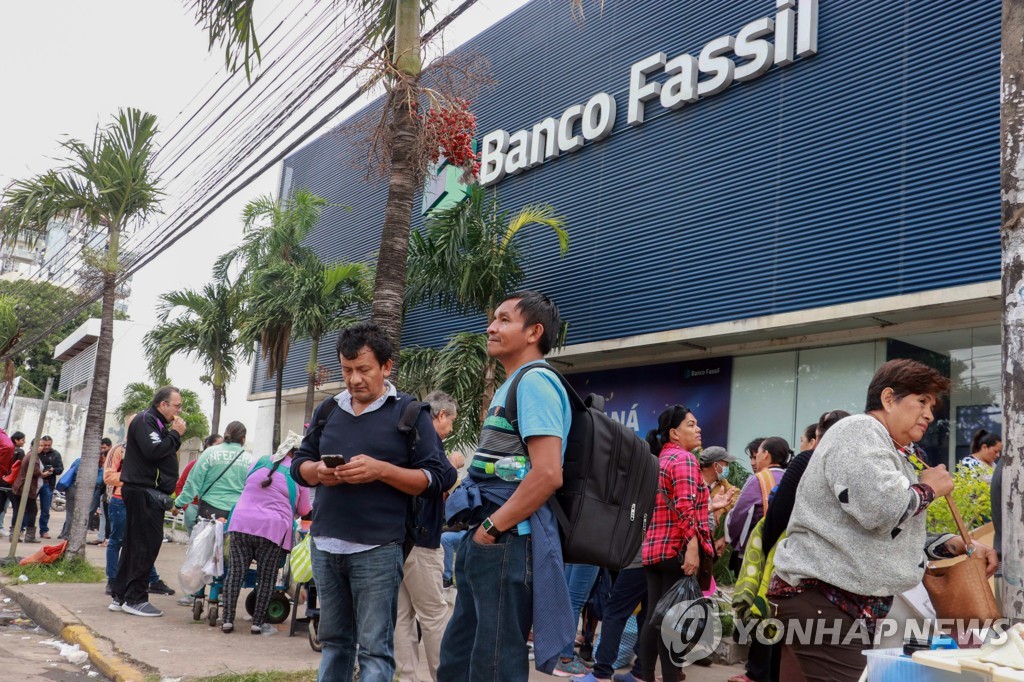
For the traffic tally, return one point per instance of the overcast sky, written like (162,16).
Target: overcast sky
(66,65)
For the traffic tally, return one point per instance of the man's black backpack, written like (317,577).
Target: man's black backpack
(609,482)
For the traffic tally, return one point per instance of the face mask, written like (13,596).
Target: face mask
(724,473)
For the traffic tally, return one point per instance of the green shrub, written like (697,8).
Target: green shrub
(973,496)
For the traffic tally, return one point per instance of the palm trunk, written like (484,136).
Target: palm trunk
(96,415)
(1012,182)
(277,403)
(314,351)
(218,397)
(389,286)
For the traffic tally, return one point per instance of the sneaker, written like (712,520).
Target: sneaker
(447,582)
(45,536)
(142,609)
(570,668)
(587,655)
(187,600)
(265,629)
(4,533)
(115,605)
(227,628)
(160,587)
(108,590)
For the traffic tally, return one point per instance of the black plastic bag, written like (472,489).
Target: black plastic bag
(686,589)
(688,622)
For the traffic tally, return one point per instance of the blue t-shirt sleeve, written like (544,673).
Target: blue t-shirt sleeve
(543,406)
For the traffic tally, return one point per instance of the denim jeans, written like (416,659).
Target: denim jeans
(358,602)
(630,589)
(45,498)
(581,579)
(449,541)
(115,538)
(486,637)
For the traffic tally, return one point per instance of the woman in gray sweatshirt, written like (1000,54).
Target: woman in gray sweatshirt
(857,535)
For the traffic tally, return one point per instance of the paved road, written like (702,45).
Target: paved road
(24,655)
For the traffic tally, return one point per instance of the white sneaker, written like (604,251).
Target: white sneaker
(4,533)
(115,605)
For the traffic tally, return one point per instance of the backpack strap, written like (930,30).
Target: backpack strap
(407,422)
(265,463)
(767,481)
(512,397)
(326,409)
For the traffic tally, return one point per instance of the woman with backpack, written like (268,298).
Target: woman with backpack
(261,529)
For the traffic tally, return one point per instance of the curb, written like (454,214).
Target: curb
(59,621)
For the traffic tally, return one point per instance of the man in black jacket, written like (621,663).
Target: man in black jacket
(148,474)
(53,467)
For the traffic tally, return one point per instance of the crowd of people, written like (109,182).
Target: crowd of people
(393,529)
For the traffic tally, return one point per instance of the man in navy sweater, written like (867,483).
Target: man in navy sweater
(361,509)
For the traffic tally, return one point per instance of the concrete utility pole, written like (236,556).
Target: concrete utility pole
(1011,177)
(28,466)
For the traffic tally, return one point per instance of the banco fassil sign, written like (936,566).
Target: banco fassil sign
(763,43)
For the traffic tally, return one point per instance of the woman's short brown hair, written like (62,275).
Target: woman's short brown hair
(905,377)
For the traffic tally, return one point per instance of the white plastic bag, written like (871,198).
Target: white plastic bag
(214,567)
(202,546)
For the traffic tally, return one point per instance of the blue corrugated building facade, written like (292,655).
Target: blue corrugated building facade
(759,250)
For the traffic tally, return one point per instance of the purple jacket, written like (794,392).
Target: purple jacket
(748,510)
(266,512)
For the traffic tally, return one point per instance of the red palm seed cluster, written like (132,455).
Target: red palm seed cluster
(449,131)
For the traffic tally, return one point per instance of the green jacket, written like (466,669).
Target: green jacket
(215,460)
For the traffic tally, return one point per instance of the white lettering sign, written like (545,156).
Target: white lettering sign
(742,57)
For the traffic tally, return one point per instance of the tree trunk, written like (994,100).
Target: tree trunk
(1012,185)
(95,417)
(389,286)
(314,352)
(277,403)
(218,397)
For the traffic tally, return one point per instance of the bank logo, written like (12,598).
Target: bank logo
(692,631)
(443,187)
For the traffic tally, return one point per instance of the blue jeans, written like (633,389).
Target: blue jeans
(630,589)
(486,637)
(581,579)
(449,541)
(115,538)
(358,603)
(45,498)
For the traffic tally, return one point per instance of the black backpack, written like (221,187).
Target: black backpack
(609,482)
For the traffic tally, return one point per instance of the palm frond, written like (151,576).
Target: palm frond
(230,24)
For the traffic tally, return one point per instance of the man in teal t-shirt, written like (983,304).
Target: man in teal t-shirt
(496,565)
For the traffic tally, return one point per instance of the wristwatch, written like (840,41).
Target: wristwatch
(490,528)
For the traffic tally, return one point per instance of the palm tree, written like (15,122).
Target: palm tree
(270,250)
(109,185)
(138,395)
(467,260)
(320,294)
(205,328)
(394,26)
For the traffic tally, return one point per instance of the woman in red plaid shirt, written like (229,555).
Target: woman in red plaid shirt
(680,534)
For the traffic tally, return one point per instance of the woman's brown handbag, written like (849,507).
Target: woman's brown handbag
(961,591)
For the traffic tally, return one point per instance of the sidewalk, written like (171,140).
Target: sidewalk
(174,646)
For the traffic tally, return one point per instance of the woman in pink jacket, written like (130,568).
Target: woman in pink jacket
(261,528)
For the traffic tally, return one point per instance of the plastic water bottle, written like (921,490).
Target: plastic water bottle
(512,468)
